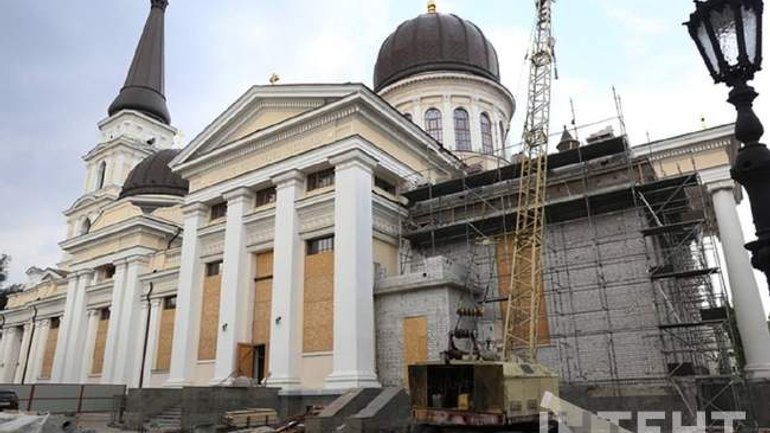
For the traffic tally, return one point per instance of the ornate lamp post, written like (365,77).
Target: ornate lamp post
(728,34)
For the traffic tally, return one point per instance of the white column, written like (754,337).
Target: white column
(419,113)
(23,351)
(749,313)
(152,340)
(12,346)
(41,338)
(4,351)
(354,363)
(129,330)
(288,276)
(184,351)
(113,328)
(234,305)
(448,124)
(475,123)
(62,341)
(93,327)
(77,336)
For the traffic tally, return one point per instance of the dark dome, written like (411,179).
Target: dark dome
(435,42)
(154,176)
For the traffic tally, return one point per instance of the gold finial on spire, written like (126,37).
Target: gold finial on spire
(274,78)
(431,6)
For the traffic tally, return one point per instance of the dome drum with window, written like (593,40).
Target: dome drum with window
(443,74)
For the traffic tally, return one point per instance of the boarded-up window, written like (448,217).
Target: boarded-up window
(166,334)
(415,342)
(521,296)
(50,349)
(263,293)
(318,303)
(101,341)
(207,344)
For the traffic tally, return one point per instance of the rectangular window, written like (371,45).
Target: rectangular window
(55,322)
(213,268)
(218,210)
(106,272)
(104,314)
(320,245)
(265,196)
(320,179)
(169,303)
(384,185)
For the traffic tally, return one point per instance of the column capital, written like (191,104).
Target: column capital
(155,302)
(241,192)
(288,178)
(353,157)
(137,259)
(83,273)
(194,209)
(717,178)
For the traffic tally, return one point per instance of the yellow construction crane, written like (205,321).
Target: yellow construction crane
(504,395)
(525,289)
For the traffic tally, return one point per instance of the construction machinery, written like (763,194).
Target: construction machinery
(476,391)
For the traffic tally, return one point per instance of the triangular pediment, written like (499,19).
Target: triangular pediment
(259,108)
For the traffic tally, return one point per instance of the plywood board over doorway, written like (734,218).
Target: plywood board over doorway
(415,342)
(263,294)
(318,315)
(212,284)
(522,300)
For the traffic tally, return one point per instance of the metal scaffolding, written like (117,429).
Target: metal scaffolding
(630,259)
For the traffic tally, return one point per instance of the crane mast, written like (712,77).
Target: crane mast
(525,289)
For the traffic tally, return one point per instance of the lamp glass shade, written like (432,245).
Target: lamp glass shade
(751,32)
(726,33)
(705,43)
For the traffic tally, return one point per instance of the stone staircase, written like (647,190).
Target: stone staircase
(168,421)
(364,410)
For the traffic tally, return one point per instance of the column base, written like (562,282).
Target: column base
(176,383)
(757,371)
(285,383)
(352,379)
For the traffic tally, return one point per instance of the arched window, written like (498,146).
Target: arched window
(85,226)
(100,175)
(462,129)
(433,124)
(486,134)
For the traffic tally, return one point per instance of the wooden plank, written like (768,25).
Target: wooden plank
(165,339)
(415,342)
(245,360)
(207,343)
(504,262)
(99,346)
(50,349)
(318,303)
(263,294)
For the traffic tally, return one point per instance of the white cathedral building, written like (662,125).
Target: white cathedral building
(254,251)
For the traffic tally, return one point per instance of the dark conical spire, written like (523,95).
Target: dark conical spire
(567,142)
(143,90)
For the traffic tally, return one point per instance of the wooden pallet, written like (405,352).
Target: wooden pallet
(250,417)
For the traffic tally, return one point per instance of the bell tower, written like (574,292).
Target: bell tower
(138,125)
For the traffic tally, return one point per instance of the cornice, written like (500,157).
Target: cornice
(361,102)
(438,76)
(132,225)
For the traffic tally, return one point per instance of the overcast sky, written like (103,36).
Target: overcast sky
(62,63)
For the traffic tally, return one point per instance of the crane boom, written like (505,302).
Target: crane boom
(525,290)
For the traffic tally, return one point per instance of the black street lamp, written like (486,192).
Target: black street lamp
(728,34)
